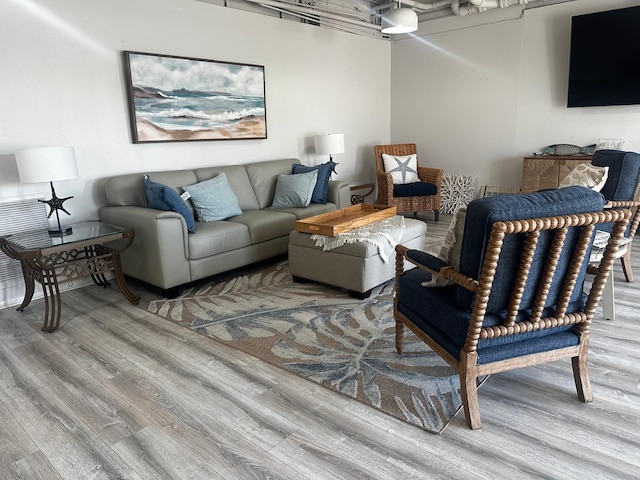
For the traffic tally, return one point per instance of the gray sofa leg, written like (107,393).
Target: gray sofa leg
(172,292)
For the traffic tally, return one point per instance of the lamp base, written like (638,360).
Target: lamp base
(60,232)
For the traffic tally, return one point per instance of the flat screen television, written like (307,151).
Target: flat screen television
(604,66)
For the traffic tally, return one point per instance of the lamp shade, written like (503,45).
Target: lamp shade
(399,20)
(329,144)
(46,164)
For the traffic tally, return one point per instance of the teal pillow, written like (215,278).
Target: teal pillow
(163,197)
(321,190)
(294,190)
(213,199)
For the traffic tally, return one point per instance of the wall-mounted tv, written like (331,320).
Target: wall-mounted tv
(604,67)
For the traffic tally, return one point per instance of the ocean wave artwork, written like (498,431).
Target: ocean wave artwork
(180,99)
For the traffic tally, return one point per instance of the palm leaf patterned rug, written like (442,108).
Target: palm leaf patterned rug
(322,334)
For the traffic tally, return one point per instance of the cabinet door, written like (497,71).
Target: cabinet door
(538,174)
(567,165)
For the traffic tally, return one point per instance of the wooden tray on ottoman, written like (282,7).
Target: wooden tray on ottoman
(345,219)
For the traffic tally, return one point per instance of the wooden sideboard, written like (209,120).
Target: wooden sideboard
(547,171)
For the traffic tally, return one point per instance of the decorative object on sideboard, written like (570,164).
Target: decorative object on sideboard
(457,191)
(177,99)
(49,164)
(330,144)
(565,149)
(610,144)
(399,20)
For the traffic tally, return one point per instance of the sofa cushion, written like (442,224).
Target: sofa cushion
(310,211)
(266,224)
(263,176)
(128,190)
(217,237)
(238,180)
(163,197)
(294,190)
(321,189)
(213,199)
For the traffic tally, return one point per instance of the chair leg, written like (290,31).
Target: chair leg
(437,214)
(469,389)
(399,336)
(626,264)
(581,373)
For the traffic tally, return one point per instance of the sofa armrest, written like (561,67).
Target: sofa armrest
(339,193)
(160,251)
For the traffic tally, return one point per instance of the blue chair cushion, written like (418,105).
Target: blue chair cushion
(435,312)
(624,173)
(417,189)
(483,212)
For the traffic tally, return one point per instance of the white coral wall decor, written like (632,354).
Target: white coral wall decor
(457,190)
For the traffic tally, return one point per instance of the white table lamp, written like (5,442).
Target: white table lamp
(330,144)
(49,164)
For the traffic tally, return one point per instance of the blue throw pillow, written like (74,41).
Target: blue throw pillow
(321,189)
(163,197)
(213,199)
(294,190)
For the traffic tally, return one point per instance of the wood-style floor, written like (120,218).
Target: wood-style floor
(119,393)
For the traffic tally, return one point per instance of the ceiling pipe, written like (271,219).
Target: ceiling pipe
(476,6)
(314,11)
(337,25)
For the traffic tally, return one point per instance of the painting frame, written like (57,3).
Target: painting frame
(181,99)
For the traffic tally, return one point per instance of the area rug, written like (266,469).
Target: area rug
(322,334)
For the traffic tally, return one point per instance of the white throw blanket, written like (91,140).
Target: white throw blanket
(385,234)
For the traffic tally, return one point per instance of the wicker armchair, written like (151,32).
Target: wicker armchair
(517,297)
(386,187)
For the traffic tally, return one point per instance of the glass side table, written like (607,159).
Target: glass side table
(357,198)
(93,249)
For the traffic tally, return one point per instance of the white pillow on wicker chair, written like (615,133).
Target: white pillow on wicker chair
(586,175)
(403,168)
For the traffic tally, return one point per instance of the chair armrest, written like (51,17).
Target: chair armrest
(430,175)
(432,265)
(634,221)
(385,188)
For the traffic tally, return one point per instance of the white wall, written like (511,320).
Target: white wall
(62,83)
(477,98)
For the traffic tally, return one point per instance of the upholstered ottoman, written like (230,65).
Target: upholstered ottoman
(354,266)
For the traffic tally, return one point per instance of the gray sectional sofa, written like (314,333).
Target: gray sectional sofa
(166,255)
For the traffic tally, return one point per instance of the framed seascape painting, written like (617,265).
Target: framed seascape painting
(176,99)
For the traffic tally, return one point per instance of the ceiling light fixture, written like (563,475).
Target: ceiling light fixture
(399,20)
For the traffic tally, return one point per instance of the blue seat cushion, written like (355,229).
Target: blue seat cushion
(417,189)
(435,312)
(483,212)
(624,173)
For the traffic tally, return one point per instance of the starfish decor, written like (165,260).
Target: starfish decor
(403,168)
(56,204)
